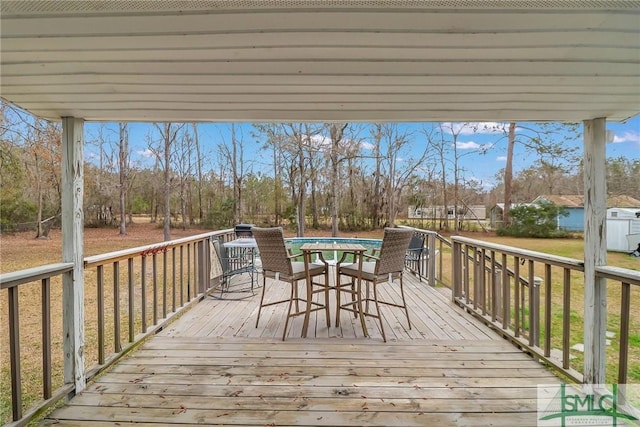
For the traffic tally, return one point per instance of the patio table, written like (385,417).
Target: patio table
(240,257)
(356,249)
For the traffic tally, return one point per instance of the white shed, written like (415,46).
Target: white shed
(623,213)
(623,234)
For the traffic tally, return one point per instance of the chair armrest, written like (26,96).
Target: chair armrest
(371,257)
(292,256)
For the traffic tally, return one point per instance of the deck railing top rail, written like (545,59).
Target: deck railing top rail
(631,277)
(16,278)
(556,260)
(127,253)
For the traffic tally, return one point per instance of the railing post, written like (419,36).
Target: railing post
(14,353)
(431,259)
(497,294)
(456,268)
(535,328)
(203,266)
(72,251)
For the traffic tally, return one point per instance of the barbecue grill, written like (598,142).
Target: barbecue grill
(243,230)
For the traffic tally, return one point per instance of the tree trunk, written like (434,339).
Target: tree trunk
(167,182)
(301,196)
(377,196)
(508,174)
(337,133)
(445,199)
(40,229)
(199,169)
(183,205)
(315,223)
(237,195)
(123,154)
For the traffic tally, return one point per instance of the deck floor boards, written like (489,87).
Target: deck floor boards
(214,367)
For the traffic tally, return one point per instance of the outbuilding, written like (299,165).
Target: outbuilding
(623,229)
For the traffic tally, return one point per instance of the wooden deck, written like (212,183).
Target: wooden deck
(214,367)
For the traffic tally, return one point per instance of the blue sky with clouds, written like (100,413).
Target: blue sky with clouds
(481,146)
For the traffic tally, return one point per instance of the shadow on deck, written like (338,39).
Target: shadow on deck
(214,367)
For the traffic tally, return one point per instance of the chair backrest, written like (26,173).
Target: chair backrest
(395,243)
(273,252)
(417,243)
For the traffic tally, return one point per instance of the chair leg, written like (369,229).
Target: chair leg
(326,296)
(359,304)
(307,311)
(338,292)
(379,314)
(264,286)
(294,290)
(366,303)
(404,303)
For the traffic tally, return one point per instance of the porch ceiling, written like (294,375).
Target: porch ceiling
(322,60)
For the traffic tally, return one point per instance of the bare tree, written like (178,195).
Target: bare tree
(196,140)
(398,165)
(183,166)
(508,173)
(336,130)
(377,199)
(168,136)
(294,145)
(233,152)
(124,174)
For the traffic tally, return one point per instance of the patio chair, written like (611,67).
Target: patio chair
(384,268)
(415,253)
(279,264)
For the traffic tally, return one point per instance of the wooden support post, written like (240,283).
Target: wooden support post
(595,251)
(456,266)
(72,251)
(431,259)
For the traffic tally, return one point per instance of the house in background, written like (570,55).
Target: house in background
(471,212)
(575,206)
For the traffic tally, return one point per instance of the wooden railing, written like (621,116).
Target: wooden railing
(536,300)
(430,265)
(626,279)
(129,295)
(11,283)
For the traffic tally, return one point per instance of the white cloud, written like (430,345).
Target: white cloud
(474,128)
(627,137)
(501,158)
(367,146)
(145,153)
(470,145)
(320,141)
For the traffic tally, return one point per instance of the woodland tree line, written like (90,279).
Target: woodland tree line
(346,176)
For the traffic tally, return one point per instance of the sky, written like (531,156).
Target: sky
(481,148)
